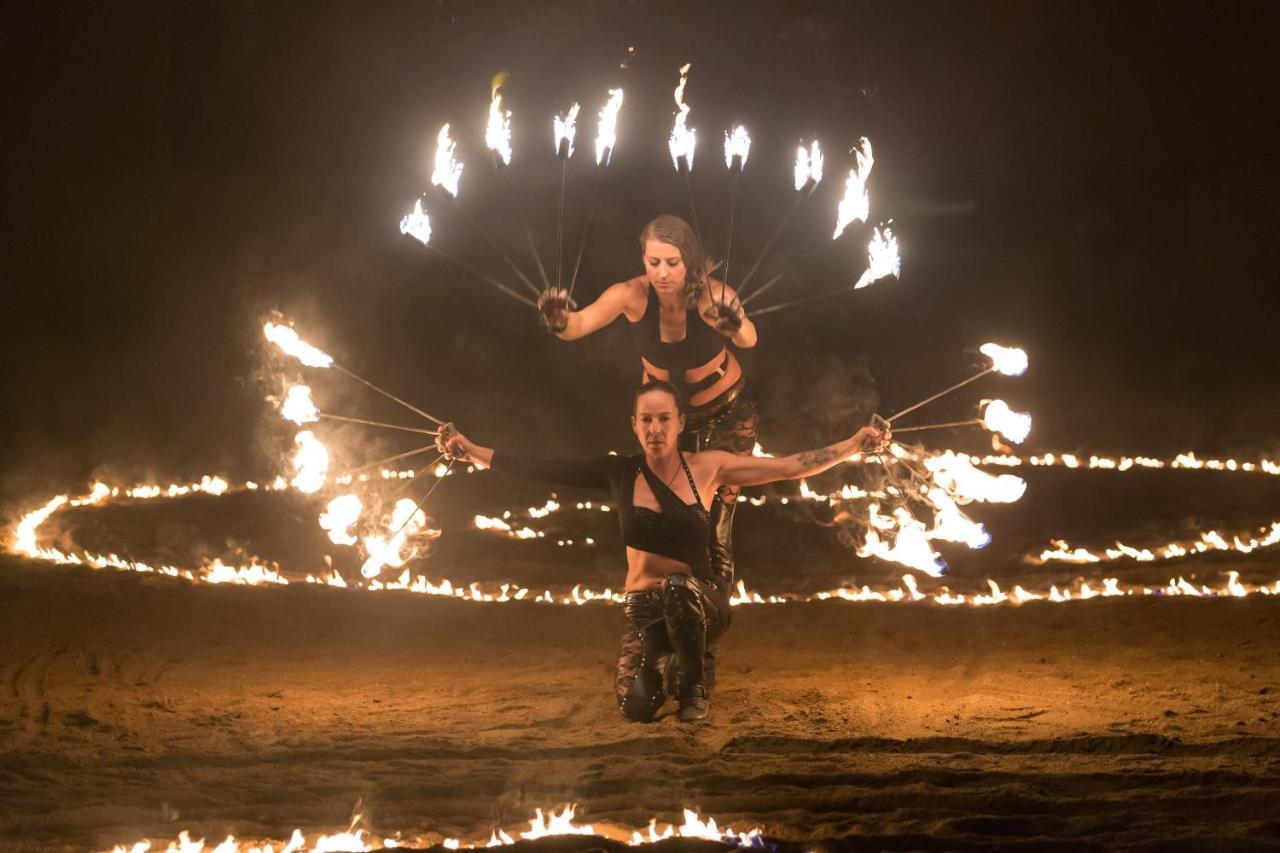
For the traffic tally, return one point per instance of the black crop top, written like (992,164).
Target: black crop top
(680,531)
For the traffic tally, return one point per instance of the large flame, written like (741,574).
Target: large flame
(998,417)
(956,473)
(566,128)
(310,463)
(882,257)
(856,204)
(683,138)
(808,165)
(497,134)
(1010,361)
(737,144)
(297,406)
(447,172)
(338,517)
(289,342)
(417,224)
(910,545)
(952,525)
(406,520)
(607,135)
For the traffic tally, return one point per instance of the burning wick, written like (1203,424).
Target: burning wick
(417,224)
(565,127)
(856,203)
(447,173)
(684,139)
(998,417)
(607,135)
(497,134)
(736,147)
(882,258)
(297,406)
(808,173)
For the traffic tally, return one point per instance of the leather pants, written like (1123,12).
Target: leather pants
(677,623)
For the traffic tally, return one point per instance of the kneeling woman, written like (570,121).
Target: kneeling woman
(675,604)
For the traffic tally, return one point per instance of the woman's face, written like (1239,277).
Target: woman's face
(664,265)
(657,422)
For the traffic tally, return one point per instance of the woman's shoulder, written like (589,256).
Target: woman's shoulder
(635,295)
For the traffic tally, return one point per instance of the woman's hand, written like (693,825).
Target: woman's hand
(553,308)
(725,317)
(871,439)
(453,444)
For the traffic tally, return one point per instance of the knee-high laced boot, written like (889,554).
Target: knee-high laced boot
(687,627)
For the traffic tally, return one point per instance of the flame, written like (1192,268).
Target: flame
(998,417)
(406,520)
(497,134)
(565,127)
(607,135)
(289,342)
(882,257)
(910,546)
(559,824)
(856,203)
(956,473)
(310,463)
(297,406)
(417,224)
(1209,541)
(808,165)
(338,517)
(252,575)
(1010,361)
(952,525)
(737,144)
(683,138)
(448,171)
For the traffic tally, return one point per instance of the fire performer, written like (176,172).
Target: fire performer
(676,604)
(685,325)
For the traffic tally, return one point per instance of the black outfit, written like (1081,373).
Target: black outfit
(691,610)
(726,422)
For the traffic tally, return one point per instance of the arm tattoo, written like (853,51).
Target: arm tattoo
(819,457)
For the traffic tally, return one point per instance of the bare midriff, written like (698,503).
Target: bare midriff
(646,571)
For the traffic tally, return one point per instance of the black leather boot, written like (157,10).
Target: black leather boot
(723,569)
(722,539)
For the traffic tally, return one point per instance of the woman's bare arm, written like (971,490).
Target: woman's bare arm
(571,325)
(733,470)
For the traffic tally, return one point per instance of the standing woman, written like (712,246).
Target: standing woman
(683,323)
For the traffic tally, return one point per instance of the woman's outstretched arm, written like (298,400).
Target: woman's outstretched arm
(585,473)
(735,470)
(571,325)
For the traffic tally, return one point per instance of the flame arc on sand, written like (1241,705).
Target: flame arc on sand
(24,541)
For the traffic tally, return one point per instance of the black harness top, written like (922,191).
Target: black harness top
(699,346)
(680,531)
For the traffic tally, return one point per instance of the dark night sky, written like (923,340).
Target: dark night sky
(1097,182)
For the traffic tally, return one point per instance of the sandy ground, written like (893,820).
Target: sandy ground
(134,706)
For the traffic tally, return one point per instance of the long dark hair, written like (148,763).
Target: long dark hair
(676,232)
